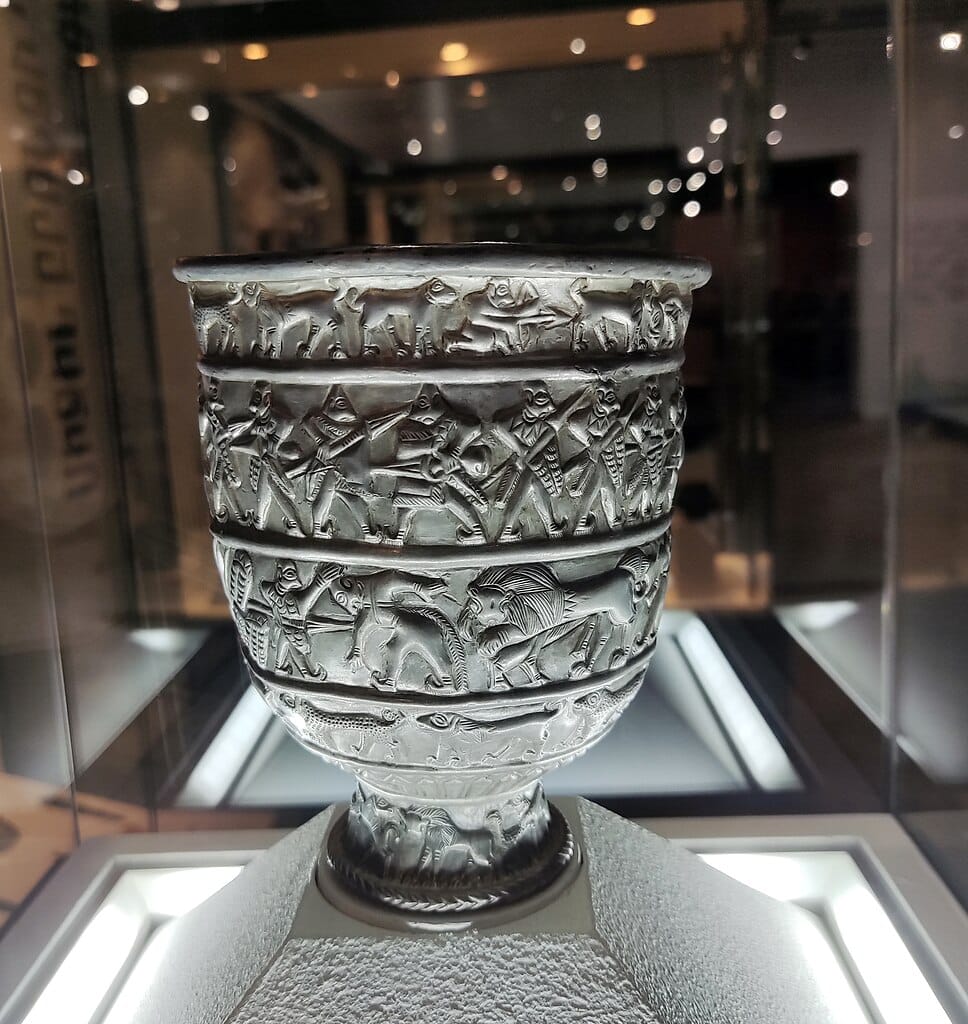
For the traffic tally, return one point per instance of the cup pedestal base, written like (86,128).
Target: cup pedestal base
(424,859)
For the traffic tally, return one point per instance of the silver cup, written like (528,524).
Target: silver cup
(441,481)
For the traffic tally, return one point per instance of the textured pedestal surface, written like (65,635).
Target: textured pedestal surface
(647,932)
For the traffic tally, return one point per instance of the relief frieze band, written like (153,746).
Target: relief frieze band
(431,465)
(357,320)
(449,631)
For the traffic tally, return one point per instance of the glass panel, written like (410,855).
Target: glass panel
(932,515)
(43,424)
(761,137)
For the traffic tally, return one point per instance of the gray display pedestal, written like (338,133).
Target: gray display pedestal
(645,932)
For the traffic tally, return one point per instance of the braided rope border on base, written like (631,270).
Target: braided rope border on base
(553,857)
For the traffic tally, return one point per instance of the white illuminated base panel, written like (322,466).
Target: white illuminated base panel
(114,950)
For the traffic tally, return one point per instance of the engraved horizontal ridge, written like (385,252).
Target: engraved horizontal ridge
(429,371)
(441,557)
(486,700)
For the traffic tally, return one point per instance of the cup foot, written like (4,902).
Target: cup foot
(457,893)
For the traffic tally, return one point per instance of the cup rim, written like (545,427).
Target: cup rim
(462,260)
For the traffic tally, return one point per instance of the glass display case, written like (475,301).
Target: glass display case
(807,695)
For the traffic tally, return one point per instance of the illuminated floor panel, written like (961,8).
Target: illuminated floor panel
(121,940)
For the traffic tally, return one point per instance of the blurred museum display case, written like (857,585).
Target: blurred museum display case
(813,660)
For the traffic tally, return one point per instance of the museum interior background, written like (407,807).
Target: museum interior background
(814,654)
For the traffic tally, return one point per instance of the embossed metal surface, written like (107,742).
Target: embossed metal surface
(440,481)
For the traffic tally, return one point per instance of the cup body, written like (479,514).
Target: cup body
(441,482)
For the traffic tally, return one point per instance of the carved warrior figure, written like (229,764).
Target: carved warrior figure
(218,439)
(338,435)
(277,623)
(261,436)
(654,453)
(439,464)
(595,476)
(532,476)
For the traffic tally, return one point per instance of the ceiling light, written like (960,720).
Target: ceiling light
(167,5)
(655,187)
(634,62)
(499,172)
(438,126)
(695,181)
(255,51)
(950,41)
(415,147)
(774,138)
(674,185)
(310,90)
(593,134)
(211,55)
(199,112)
(657,208)
(623,222)
(392,78)
(75,177)
(715,166)
(450,187)
(577,45)
(349,71)
(137,95)
(640,16)
(592,122)
(839,187)
(695,154)
(864,239)
(647,222)
(718,125)
(452,52)
(477,89)
(569,184)
(692,208)
(600,167)
(515,187)
(87,60)
(956,131)
(778,111)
